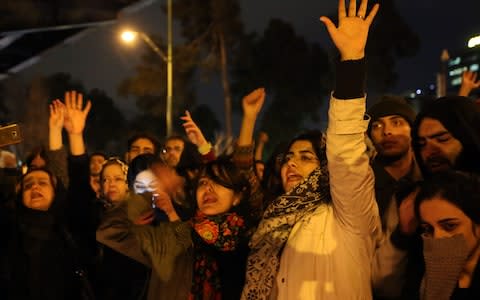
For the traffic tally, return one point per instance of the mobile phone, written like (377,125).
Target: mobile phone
(154,198)
(10,135)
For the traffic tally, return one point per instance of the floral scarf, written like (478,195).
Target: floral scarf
(211,234)
(273,231)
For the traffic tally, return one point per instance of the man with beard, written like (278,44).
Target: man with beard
(446,135)
(390,131)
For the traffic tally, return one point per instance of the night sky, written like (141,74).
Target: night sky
(440,24)
(100,61)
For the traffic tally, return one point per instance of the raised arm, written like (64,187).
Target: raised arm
(261,141)
(75,121)
(351,178)
(57,155)
(243,153)
(195,135)
(469,83)
(55,125)
(251,104)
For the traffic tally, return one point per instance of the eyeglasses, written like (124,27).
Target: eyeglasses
(172,149)
(116,179)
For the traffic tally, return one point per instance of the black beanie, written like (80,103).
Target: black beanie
(459,116)
(388,106)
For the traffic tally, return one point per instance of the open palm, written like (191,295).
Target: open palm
(75,115)
(350,37)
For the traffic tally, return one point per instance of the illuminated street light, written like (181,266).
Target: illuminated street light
(474,41)
(129,36)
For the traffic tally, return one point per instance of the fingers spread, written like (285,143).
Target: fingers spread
(342,13)
(329,25)
(352,8)
(362,11)
(372,14)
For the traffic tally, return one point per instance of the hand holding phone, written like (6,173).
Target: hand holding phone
(10,135)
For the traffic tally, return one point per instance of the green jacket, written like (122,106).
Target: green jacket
(167,248)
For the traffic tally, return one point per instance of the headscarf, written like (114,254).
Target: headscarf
(278,220)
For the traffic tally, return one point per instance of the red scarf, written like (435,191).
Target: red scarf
(213,233)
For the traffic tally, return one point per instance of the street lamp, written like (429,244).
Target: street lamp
(129,36)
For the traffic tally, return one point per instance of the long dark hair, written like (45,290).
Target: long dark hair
(318,141)
(460,117)
(224,172)
(316,138)
(458,188)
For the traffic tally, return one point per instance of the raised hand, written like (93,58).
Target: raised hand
(469,83)
(57,115)
(192,131)
(76,115)
(253,102)
(351,35)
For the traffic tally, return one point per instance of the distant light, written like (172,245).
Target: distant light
(455,61)
(457,71)
(128,36)
(432,87)
(418,91)
(412,95)
(474,41)
(456,81)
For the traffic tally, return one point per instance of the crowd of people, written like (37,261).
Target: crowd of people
(384,205)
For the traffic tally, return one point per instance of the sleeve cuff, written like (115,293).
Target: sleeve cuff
(350,79)
(205,149)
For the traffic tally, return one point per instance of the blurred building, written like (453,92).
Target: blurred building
(462,60)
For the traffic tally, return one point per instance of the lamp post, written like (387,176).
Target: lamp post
(130,36)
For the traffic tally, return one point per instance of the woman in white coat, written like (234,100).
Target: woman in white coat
(317,240)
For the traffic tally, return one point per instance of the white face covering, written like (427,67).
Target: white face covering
(444,261)
(145,181)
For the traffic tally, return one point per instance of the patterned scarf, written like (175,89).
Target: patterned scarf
(278,220)
(213,233)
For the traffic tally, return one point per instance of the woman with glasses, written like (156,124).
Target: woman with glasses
(113,180)
(113,275)
(317,240)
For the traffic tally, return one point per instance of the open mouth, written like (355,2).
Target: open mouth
(437,163)
(36,196)
(209,199)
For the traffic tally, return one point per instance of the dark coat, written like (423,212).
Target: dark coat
(114,275)
(44,260)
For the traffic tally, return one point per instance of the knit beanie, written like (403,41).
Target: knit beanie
(388,106)
(459,116)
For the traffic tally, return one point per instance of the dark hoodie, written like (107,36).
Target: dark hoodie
(459,116)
